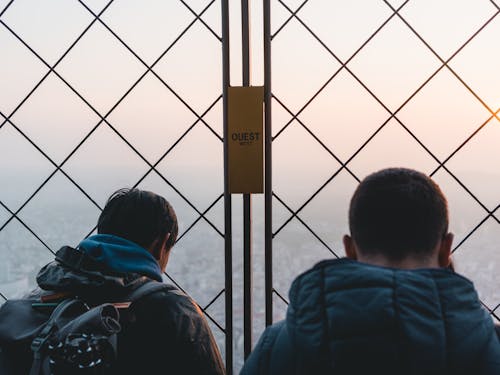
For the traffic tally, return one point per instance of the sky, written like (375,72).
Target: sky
(186,82)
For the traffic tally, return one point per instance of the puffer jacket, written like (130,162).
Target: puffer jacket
(346,317)
(168,334)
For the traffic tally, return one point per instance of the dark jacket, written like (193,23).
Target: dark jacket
(347,317)
(169,334)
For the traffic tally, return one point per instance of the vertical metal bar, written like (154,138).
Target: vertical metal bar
(247,274)
(268,188)
(228,236)
(247,198)
(245,42)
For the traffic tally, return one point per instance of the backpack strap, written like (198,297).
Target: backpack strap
(52,324)
(145,289)
(149,287)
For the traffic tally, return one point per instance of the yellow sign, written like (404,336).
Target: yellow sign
(246,139)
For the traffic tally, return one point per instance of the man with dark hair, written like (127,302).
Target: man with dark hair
(136,232)
(397,217)
(392,306)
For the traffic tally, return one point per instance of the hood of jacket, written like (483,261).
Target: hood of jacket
(100,264)
(121,255)
(349,316)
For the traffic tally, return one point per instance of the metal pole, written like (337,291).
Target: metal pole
(228,236)
(247,199)
(268,188)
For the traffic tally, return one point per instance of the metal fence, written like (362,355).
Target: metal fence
(96,95)
(366,85)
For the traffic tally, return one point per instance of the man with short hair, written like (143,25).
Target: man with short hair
(392,306)
(136,232)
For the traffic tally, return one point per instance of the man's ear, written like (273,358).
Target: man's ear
(160,252)
(444,255)
(349,247)
(158,245)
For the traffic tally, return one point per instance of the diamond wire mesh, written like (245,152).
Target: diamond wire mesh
(6,120)
(292,117)
(14,214)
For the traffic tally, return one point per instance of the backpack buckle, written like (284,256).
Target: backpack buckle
(38,343)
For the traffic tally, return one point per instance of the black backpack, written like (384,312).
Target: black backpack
(69,337)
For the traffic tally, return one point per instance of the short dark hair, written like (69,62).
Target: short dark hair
(397,212)
(139,216)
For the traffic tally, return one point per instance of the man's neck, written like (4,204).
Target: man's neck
(406,263)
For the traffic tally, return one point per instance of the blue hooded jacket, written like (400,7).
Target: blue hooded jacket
(346,317)
(121,255)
